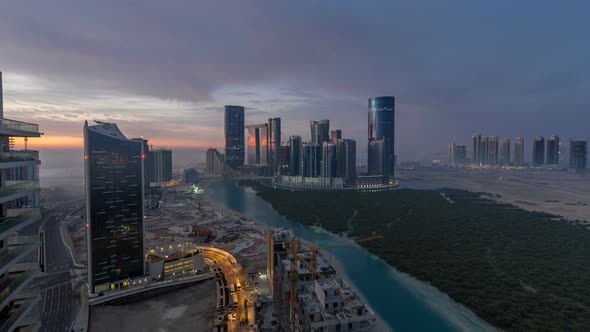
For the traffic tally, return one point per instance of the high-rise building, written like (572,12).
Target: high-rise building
(114,170)
(335,135)
(378,155)
(505,151)
(328,162)
(482,150)
(190,175)
(215,162)
(578,155)
(19,208)
(234,136)
(476,138)
(274,143)
(295,157)
(493,150)
(553,150)
(320,131)
(160,161)
(460,154)
(451,152)
(257,144)
(538,151)
(284,159)
(519,151)
(349,161)
(382,127)
(310,160)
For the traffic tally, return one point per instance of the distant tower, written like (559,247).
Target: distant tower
(539,151)
(451,152)
(382,127)
(328,160)
(493,149)
(378,155)
(553,150)
(295,158)
(234,136)
(460,154)
(310,160)
(505,151)
(114,207)
(475,148)
(482,150)
(320,131)
(519,151)
(578,155)
(274,143)
(349,161)
(335,135)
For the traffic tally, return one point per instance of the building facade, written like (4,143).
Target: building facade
(114,169)
(538,151)
(310,160)
(234,136)
(378,157)
(320,131)
(505,152)
(257,144)
(215,162)
(159,163)
(295,157)
(460,154)
(382,127)
(519,151)
(578,155)
(335,135)
(274,143)
(553,150)
(328,162)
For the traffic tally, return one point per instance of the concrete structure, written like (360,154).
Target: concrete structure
(320,131)
(553,150)
(274,143)
(504,152)
(257,144)
(177,261)
(215,162)
(335,135)
(234,136)
(538,151)
(378,156)
(578,156)
(159,163)
(460,154)
(519,151)
(310,160)
(328,162)
(114,175)
(19,208)
(295,155)
(381,126)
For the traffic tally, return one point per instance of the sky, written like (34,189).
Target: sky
(164,69)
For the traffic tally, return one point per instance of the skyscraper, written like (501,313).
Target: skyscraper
(328,162)
(378,155)
(382,126)
(505,152)
(295,158)
(519,151)
(320,131)
(310,160)
(451,152)
(538,151)
(482,150)
(460,154)
(257,144)
(335,135)
(578,155)
(349,161)
(19,208)
(284,159)
(274,143)
(476,138)
(113,169)
(553,150)
(234,136)
(161,165)
(215,162)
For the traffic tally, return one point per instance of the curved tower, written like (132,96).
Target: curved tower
(382,126)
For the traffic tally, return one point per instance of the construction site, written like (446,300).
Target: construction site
(308,294)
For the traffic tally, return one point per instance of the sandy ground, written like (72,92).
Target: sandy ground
(555,192)
(187,309)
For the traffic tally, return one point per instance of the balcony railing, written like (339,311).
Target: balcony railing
(19,187)
(14,283)
(18,156)
(13,224)
(19,314)
(16,252)
(19,125)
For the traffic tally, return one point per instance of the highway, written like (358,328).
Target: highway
(59,302)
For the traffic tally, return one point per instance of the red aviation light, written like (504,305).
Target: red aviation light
(143,156)
(85,157)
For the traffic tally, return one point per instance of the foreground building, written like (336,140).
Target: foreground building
(19,208)
(114,175)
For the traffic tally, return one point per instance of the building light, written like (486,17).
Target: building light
(85,157)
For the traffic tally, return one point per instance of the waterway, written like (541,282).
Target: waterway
(403,302)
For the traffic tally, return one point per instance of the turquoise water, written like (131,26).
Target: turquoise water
(403,303)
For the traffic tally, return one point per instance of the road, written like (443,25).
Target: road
(59,302)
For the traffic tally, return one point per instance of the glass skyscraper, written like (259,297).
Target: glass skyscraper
(382,127)
(295,157)
(114,171)
(234,136)
(538,151)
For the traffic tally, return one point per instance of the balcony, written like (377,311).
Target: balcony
(13,224)
(19,315)
(25,155)
(13,284)
(17,189)
(18,247)
(18,128)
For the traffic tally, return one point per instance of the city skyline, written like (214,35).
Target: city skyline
(69,82)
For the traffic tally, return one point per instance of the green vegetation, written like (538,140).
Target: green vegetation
(518,270)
